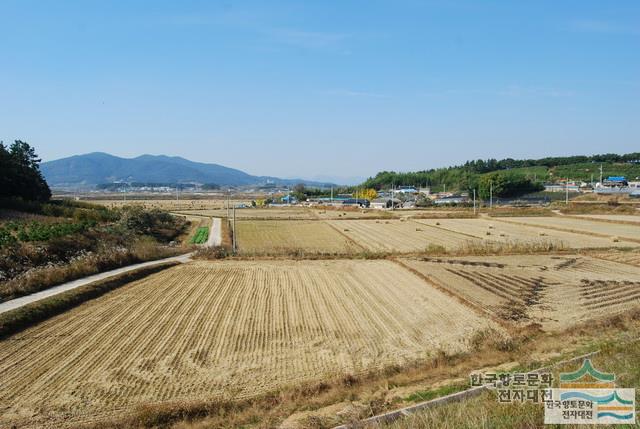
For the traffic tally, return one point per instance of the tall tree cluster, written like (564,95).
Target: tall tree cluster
(20,175)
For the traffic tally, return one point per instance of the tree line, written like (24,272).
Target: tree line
(20,175)
(471,174)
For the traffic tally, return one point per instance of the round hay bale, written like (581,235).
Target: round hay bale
(615,239)
(488,233)
(542,234)
(437,223)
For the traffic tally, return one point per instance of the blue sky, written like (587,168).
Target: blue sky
(324,88)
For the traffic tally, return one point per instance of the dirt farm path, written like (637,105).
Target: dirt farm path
(28,299)
(215,232)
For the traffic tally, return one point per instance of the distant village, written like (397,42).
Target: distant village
(400,197)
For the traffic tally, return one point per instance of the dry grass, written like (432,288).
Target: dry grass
(584,227)
(16,320)
(349,398)
(286,237)
(518,211)
(41,278)
(485,411)
(607,208)
(556,291)
(226,330)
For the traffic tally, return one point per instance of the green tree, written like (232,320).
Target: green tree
(20,174)
(506,185)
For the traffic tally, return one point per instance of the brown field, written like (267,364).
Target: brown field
(272,213)
(631,257)
(635,219)
(500,230)
(352,213)
(399,235)
(168,204)
(279,236)
(586,227)
(555,291)
(208,330)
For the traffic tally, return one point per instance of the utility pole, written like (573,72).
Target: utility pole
(392,195)
(566,186)
(228,200)
(332,194)
(235,239)
(177,193)
(474,202)
(491,195)
(601,174)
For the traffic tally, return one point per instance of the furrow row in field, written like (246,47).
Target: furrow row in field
(628,232)
(555,291)
(206,330)
(398,235)
(499,230)
(272,237)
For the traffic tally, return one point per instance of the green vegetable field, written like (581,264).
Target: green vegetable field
(201,235)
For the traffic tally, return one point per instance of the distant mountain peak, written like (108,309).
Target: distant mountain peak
(86,171)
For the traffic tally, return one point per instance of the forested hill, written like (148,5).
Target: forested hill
(466,176)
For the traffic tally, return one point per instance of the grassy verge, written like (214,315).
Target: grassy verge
(21,318)
(42,278)
(471,248)
(427,395)
(485,411)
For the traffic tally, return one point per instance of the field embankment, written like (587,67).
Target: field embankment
(62,241)
(13,321)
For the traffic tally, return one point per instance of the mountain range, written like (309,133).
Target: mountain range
(97,168)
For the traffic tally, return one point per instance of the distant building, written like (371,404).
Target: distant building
(406,190)
(561,187)
(451,200)
(356,202)
(385,203)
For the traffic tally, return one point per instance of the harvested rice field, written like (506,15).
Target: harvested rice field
(399,235)
(229,329)
(499,230)
(586,227)
(282,237)
(555,291)
(275,213)
(613,218)
(352,213)
(167,204)
(631,257)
